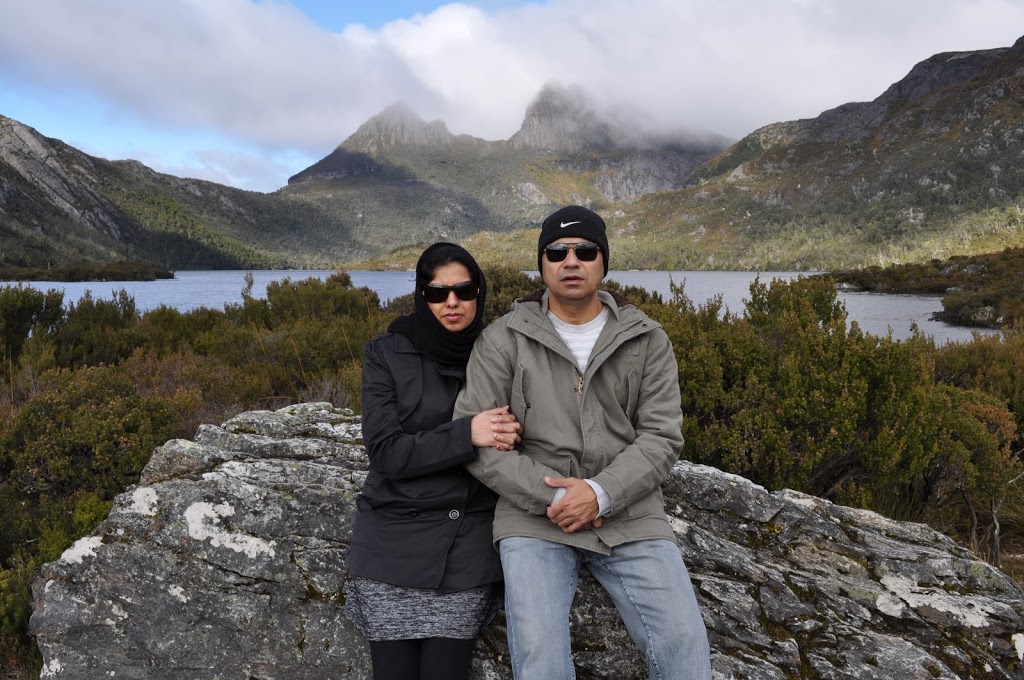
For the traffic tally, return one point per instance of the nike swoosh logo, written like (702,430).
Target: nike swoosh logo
(563,225)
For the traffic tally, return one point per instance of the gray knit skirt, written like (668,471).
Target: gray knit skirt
(382,611)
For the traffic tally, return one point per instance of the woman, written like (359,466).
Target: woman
(424,572)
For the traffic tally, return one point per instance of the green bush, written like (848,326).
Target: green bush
(787,394)
(96,331)
(90,390)
(22,310)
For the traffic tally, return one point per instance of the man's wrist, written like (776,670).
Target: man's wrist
(604,501)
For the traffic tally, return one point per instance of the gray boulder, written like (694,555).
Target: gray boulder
(228,561)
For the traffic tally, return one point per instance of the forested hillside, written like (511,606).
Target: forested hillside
(59,206)
(929,169)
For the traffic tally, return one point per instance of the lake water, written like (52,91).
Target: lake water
(875,313)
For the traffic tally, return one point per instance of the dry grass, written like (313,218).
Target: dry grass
(1013,566)
(18,661)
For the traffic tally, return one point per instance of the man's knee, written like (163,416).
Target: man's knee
(540,582)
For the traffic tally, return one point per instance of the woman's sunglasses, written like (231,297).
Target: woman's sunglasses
(585,252)
(466,291)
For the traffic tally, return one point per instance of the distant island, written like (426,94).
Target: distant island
(88,271)
(985,291)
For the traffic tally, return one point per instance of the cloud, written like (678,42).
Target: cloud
(236,168)
(262,73)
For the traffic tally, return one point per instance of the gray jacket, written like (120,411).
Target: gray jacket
(619,423)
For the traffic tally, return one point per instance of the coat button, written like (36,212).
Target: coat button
(454,514)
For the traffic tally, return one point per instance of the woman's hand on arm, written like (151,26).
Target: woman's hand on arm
(496,427)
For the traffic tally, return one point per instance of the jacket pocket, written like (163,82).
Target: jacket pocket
(518,399)
(408,378)
(652,504)
(633,390)
(627,393)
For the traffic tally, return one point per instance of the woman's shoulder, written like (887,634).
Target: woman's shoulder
(391,354)
(391,343)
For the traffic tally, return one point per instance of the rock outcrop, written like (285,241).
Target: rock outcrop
(563,119)
(398,125)
(227,561)
(43,167)
(965,75)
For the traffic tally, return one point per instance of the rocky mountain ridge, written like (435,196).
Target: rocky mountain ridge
(31,166)
(417,182)
(928,78)
(398,125)
(227,561)
(562,119)
(60,205)
(929,169)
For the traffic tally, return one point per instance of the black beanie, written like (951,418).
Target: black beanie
(573,220)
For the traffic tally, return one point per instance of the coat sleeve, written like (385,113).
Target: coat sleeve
(394,453)
(643,465)
(510,474)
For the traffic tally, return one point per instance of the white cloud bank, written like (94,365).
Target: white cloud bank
(264,74)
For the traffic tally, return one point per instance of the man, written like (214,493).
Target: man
(595,384)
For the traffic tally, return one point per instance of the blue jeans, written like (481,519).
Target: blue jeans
(646,580)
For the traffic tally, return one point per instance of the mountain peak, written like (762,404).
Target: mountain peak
(563,118)
(397,125)
(936,76)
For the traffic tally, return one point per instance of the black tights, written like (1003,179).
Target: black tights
(429,659)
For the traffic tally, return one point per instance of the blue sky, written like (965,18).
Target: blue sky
(335,15)
(249,92)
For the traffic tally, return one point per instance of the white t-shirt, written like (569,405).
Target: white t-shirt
(580,339)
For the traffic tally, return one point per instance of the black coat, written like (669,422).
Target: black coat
(422,521)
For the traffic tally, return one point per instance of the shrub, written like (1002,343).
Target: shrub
(21,311)
(94,332)
(788,396)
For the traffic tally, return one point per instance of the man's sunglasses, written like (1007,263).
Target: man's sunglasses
(585,252)
(466,291)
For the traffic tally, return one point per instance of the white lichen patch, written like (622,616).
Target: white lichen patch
(51,668)
(889,604)
(203,518)
(144,500)
(237,471)
(82,548)
(679,526)
(349,432)
(178,593)
(803,500)
(682,467)
(971,612)
(1018,644)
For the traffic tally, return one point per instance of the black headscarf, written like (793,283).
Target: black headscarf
(427,333)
